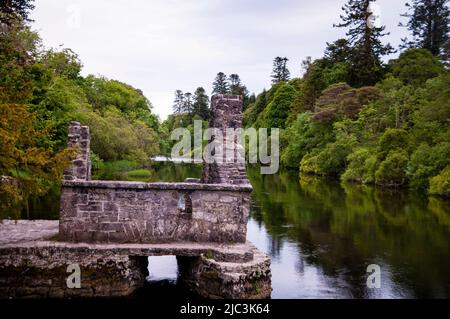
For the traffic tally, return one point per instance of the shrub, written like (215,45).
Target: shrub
(426,162)
(309,164)
(139,174)
(392,139)
(356,168)
(392,171)
(332,160)
(440,184)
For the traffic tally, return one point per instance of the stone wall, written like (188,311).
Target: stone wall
(43,273)
(215,210)
(133,212)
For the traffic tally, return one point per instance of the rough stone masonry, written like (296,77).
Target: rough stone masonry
(215,210)
(111,227)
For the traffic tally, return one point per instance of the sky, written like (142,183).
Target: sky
(160,46)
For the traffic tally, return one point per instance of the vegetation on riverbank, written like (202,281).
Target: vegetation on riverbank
(351,115)
(355,117)
(41,91)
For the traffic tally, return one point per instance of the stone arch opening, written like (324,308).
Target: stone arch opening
(185,203)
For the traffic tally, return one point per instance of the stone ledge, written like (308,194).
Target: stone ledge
(157,186)
(34,266)
(227,97)
(214,279)
(33,237)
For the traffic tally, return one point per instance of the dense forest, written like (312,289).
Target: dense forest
(353,115)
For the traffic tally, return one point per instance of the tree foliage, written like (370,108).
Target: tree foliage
(416,66)
(11,10)
(41,91)
(26,169)
(201,104)
(364,36)
(280,72)
(392,134)
(429,24)
(220,84)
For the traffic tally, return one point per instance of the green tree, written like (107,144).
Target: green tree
(220,84)
(18,52)
(188,103)
(276,113)
(429,23)
(311,87)
(178,103)
(25,168)
(427,161)
(440,184)
(102,92)
(338,52)
(236,86)
(392,171)
(416,66)
(365,40)
(201,104)
(391,140)
(65,63)
(12,9)
(357,170)
(280,72)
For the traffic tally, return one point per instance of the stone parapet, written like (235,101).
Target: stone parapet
(133,212)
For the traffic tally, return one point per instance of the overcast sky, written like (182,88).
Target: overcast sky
(159,46)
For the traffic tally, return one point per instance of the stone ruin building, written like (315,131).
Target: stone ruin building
(109,228)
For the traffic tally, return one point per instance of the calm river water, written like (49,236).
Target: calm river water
(322,235)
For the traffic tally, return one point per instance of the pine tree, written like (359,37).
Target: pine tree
(261,102)
(188,103)
(365,40)
(429,22)
(338,52)
(445,56)
(280,72)
(10,9)
(220,84)
(235,82)
(201,103)
(178,103)
(236,86)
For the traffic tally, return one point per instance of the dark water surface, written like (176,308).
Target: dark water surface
(322,235)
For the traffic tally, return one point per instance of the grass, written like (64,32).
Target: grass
(139,174)
(114,170)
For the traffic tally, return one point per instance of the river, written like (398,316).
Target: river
(322,235)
